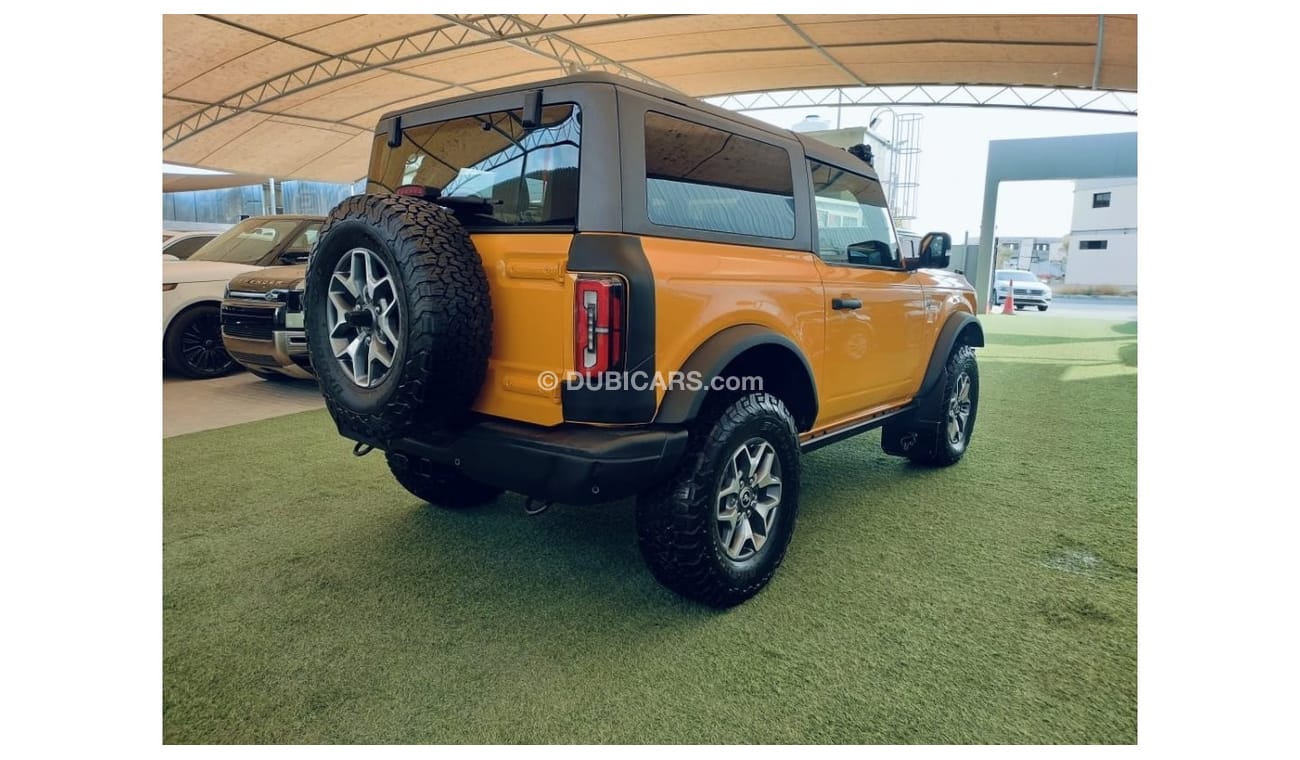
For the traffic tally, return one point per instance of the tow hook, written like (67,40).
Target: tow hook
(361,449)
(534,507)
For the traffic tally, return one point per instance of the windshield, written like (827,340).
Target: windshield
(524,177)
(1017,276)
(247,242)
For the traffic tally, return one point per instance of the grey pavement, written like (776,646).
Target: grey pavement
(193,405)
(1088,307)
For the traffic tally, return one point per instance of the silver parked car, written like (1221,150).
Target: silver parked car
(1027,289)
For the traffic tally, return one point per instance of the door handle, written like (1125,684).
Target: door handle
(846,303)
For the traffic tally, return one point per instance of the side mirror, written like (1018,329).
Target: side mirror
(934,250)
(295,256)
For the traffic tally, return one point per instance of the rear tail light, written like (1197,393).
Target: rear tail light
(416,191)
(598,310)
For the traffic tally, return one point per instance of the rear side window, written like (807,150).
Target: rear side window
(704,178)
(183,248)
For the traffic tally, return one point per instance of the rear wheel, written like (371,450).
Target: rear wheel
(193,347)
(439,484)
(717,531)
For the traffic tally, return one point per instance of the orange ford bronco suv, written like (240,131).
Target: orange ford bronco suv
(589,289)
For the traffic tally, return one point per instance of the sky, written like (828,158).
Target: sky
(954,142)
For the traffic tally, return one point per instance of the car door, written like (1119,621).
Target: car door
(875,309)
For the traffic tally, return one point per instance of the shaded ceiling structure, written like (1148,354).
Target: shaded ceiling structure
(298,96)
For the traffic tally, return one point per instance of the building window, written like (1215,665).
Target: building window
(1092,245)
(1101,200)
(703,178)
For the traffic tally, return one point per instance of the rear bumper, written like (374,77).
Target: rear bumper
(573,464)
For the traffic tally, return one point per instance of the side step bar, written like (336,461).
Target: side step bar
(856,428)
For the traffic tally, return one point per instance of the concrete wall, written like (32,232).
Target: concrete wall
(1115,225)
(1117,265)
(1123,211)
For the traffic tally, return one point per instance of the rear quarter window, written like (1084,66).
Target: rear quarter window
(703,178)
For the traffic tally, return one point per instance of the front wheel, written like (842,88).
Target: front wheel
(1042,307)
(717,531)
(193,347)
(961,397)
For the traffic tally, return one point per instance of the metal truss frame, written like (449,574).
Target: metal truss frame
(542,37)
(993,96)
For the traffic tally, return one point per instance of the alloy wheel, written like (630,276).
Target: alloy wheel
(365,317)
(959,407)
(749,493)
(201,346)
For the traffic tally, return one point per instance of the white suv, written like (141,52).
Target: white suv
(193,288)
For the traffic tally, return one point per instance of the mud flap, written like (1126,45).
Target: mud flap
(907,438)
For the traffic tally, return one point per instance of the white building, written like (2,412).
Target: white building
(891,166)
(1103,233)
(1040,255)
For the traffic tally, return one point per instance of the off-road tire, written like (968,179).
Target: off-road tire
(204,318)
(676,521)
(935,448)
(438,484)
(446,331)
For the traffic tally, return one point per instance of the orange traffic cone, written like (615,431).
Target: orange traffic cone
(1008,305)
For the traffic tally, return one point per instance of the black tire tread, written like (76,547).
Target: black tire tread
(440,485)
(675,519)
(171,342)
(941,454)
(447,312)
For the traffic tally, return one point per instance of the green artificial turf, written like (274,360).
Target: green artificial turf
(308,598)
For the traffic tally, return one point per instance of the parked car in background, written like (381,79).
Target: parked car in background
(1027,290)
(193,289)
(182,245)
(261,322)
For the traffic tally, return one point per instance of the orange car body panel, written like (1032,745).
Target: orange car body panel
(865,361)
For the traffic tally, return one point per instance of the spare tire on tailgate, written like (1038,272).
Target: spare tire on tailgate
(398,317)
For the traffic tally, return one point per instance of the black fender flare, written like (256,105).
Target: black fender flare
(682,404)
(959,327)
